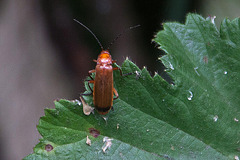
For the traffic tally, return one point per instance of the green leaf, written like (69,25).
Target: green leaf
(205,69)
(194,118)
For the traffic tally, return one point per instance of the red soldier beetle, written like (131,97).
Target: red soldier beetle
(103,90)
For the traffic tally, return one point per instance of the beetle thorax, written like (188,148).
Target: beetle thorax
(104,58)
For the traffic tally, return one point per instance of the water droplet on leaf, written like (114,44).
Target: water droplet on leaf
(191,96)
(215,118)
(171,66)
(236,120)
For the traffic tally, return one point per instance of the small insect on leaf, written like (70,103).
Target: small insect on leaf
(103,91)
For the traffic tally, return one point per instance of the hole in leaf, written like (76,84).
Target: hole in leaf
(48,147)
(58,99)
(205,59)
(95,133)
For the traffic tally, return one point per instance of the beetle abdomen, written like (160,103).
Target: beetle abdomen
(103,89)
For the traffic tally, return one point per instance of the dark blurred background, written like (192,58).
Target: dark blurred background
(45,55)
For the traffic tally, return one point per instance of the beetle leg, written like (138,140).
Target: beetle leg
(90,72)
(91,81)
(116,93)
(86,94)
(127,74)
(117,68)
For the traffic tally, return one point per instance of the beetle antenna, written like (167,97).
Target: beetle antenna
(90,32)
(118,36)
